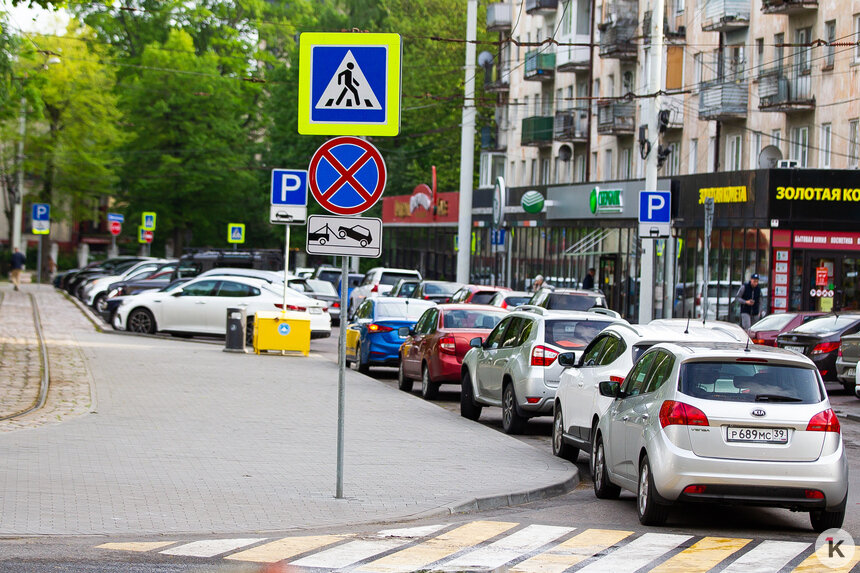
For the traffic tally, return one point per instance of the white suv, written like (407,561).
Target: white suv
(516,367)
(578,404)
(377,282)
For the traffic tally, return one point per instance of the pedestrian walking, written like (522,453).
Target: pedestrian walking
(749,295)
(17,264)
(588,281)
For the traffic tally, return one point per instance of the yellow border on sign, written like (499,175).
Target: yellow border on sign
(391,127)
(140,232)
(45,232)
(143,220)
(230,227)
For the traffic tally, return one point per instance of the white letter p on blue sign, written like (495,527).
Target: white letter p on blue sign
(655,203)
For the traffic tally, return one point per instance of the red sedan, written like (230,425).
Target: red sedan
(433,350)
(767,329)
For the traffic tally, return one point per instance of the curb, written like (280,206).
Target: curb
(85,310)
(852,417)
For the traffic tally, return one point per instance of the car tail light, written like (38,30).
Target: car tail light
(543,356)
(825,347)
(426,297)
(672,412)
(375,288)
(504,304)
(695,489)
(532,399)
(335,305)
(292,307)
(813,494)
(759,341)
(839,354)
(825,421)
(378,328)
(448,345)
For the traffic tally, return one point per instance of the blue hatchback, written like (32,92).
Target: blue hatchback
(371,336)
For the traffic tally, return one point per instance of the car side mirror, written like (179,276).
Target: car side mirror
(610,389)
(567,360)
(476,342)
(404,331)
(177,293)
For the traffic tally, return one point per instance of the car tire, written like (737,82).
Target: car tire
(403,382)
(823,520)
(603,488)
(559,447)
(141,321)
(468,408)
(341,234)
(647,507)
(323,241)
(512,422)
(100,305)
(363,367)
(363,242)
(429,389)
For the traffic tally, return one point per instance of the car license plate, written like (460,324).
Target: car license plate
(850,372)
(315,310)
(760,435)
(798,349)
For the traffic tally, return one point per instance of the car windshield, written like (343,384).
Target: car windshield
(122,267)
(573,333)
(389,278)
(321,286)
(774,322)
(832,323)
(732,381)
(440,288)
(471,319)
(561,301)
(483,297)
(399,310)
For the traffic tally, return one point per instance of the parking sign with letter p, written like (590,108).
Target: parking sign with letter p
(655,214)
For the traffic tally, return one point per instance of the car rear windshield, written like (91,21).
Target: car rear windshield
(440,288)
(392,278)
(573,334)
(558,301)
(517,300)
(483,297)
(399,310)
(774,322)
(321,286)
(731,381)
(330,276)
(471,319)
(828,324)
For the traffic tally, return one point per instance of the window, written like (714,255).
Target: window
(566,23)
(857,35)
(662,369)
(712,151)
(800,145)
(545,167)
(830,51)
(610,87)
(592,353)
(734,159)
(693,158)
(636,377)
(733,382)
(607,164)
(494,340)
(626,164)
(610,350)
(523,173)
(203,288)
(801,55)
(779,51)
(755,149)
(698,69)
(593,164)
(759,55)
(673,162)
(854,143)
(776,138)
(533,172)
(737,63)
(580,168)
(512,334)
(583,17)
(628,84)
(679,6)
(674,68)
(231,289)
(824,146)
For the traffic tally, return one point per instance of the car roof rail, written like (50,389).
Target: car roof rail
(606,311)
(728,331)
(532,308)
(625,324)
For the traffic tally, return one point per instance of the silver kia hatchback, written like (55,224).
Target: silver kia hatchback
(722,423)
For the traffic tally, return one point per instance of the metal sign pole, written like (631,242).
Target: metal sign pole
(709,225)
(39,264)
(341,379)
(286,264)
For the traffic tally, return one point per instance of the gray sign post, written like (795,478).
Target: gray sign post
(709,225)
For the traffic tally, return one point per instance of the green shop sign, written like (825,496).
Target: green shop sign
(606,201)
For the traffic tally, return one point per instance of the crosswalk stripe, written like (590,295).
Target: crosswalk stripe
(636,554)
(140,546)
(767,557)
(568,553)
(815,562)
(210,547)
(702,556)
(518,544)
(285,548)
(349,553)
(438,548)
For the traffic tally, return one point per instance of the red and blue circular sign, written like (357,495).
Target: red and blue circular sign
(347,175)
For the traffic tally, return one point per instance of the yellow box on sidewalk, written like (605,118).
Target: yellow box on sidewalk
(282,331)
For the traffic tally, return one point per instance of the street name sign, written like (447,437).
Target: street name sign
(148,221)
(347,175)
(289,198)
(236,233)
(655,214)
(349,83)
(344,236)
(111,217)
(41,218)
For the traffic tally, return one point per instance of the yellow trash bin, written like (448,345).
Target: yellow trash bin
(282,331)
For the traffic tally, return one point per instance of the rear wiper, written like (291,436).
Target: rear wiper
(776,398)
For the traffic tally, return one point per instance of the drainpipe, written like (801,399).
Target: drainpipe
(590,93)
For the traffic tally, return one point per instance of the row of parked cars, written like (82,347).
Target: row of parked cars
(674,411)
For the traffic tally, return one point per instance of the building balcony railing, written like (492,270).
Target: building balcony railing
(574,58)
(674,104)
(616,117)
(537,131)
(722,100)
(618,40)
(726,15)
(675,35)
(497,78)
(540,66)
(571,125)
(499,17)
(541,6)
(780,92)
(788,6)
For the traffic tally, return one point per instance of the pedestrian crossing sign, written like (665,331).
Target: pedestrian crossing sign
(349,84)
(236,233)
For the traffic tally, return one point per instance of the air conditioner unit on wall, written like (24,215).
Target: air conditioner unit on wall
(787,163)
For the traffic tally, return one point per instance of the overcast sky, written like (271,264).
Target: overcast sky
(36,20)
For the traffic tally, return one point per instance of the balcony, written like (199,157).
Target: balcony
(499,17)
(616,117)
(571,125)
(537,131)
(574,58)
(723,101)
(618,40)
(544,7)
(726,15)
(788,6)
(780,92)
(540,66)
(497,78)
(675,105)
(670,34)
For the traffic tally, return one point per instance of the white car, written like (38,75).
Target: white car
(610,356)
(378,282)
(96,290)
(200,306)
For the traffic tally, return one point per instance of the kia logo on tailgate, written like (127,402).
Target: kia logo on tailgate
(759,412)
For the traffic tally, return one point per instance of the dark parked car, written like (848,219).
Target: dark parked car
(436,291)
(157,280)
(357,233)
(819,340)
(767,329)
(72,279)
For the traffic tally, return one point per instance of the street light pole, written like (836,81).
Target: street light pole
(467,148)
(19,192)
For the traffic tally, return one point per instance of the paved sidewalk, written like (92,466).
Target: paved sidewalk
(188,438)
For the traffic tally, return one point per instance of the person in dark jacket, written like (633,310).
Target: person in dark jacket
(749,295)
(17,264)
(588,281)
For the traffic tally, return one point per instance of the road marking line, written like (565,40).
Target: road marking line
(140,546)
(702,556)
(508,549)
(412,532)
(420,556)
(769,556)
(568,553)
(815,562)
(285,548)
(349,553)
(636,554)
(211,547)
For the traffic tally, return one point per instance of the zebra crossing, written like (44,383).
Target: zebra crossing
(502,545)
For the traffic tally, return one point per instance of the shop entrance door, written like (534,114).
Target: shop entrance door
(841,278)
(608,278)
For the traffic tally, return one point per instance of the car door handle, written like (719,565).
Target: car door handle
(625,418)
(199,302)
(580,384)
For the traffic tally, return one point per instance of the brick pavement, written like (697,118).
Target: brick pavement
(188,438)
(19,354)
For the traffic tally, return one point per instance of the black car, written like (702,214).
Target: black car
(159,279)
(356,233)
(819,340)
(436,291)
(71,279)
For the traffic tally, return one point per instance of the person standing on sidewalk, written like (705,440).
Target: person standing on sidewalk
(588,281)
(17,264)
(749,295)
